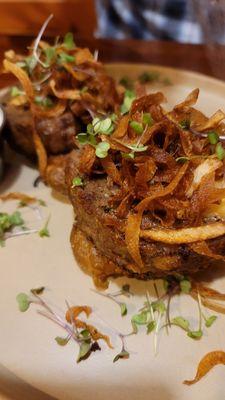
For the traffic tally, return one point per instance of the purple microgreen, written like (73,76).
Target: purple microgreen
(123,307)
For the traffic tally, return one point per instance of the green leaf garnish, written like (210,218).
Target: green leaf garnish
(102,149)
(213,137)
(38,290)
(151,326)
(64,58)
(209,321)
(68,41)
(185,124)
(220,152)
(123,355)
(129,97)
(85,334)
(85,348)
(159,306)
(44,232)
(77,181)
(147,119)
(137,127)
(15,91)
(42,203)
(43,101)
(181,322)
(61,341)
(151,76)
(123,309)
(185,286)
(82,138)
(30,63)
(128,155)
(140,319)
(50,54)
(195,334)
(102,125)
(23,301)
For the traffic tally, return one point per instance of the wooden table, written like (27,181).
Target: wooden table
(209,60)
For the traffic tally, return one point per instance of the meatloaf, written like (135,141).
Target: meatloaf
(98,238)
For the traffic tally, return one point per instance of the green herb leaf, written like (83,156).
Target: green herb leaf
(134,326)
(102,149)
(15,91)
(85,334)
(159,306)
(44,232)
(220,152)
(43,101)
(102,125)
(123,309)
(23,301)
(137,127)
(141,318)
(185,124)
(77,181)
(213,137)
(147,119)
(129,97)
(128,155)
(151,326)
(62,341)
(82,138)
(123,355)
(16,219)
(181,322)
(209,321)
(150,76)
(42,203)
(38,290)
(85,348)
(31,63)
(50,54)
(68,41)
(185,286)
(64,58)
(195,334)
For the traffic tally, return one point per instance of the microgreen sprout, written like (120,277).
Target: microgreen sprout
(44,232)
(220,151)
(112,297)
(68,41)
(15,91)
(213,137)
(77,181)
(129,97)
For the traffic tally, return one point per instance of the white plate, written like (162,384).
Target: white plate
(29,354)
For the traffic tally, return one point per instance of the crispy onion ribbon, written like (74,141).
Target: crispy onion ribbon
(209,361)
(133,228)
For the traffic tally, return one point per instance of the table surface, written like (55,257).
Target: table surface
(207,59)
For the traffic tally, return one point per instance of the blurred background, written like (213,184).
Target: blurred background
(187,21)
